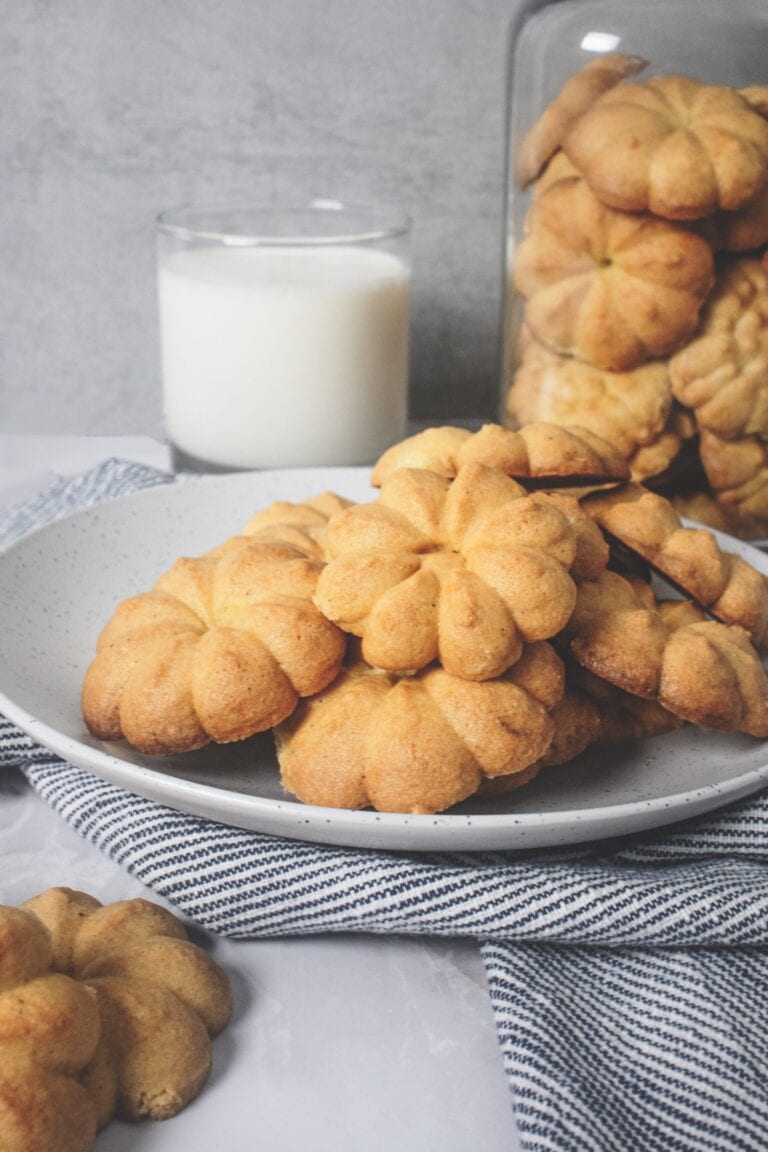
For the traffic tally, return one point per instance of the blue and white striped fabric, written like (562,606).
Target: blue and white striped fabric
(629,980)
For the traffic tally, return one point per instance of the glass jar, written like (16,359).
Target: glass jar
(571,64)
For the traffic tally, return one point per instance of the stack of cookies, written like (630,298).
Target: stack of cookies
(489,614)
(643,272)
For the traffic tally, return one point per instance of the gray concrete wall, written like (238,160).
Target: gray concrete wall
(113,109)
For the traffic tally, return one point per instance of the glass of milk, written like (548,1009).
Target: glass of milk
(284,334)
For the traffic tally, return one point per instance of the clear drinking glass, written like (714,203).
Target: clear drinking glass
(284,334)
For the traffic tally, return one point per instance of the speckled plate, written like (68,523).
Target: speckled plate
(59,586)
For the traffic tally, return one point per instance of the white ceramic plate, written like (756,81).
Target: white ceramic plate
(60,585)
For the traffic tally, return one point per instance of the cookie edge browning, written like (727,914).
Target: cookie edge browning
(525,453)
(398,713)
(656,525)
(146,687)
(724,686)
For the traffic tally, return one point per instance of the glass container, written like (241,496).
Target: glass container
(712,41)
(637,213)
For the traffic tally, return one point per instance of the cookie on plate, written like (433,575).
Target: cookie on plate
(691,558)
(462,571)
(541,451)
(702,671)
(222,647)
(418,743)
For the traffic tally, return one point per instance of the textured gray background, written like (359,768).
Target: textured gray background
(113,109)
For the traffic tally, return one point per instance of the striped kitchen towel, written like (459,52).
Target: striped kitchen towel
(629,980)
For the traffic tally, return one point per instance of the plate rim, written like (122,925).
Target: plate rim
(487,831)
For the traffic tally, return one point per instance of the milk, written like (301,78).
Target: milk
(281,356)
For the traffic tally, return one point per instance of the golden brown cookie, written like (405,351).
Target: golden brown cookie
(541,451)
(609,287)
(722,374)
(629,410)
(418,743)
(460,571)
(671,146)
(702,671)
(160,1000)
(722,582)
(577,94)
(222,647)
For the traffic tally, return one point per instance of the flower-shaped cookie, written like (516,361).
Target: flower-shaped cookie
(577,94)
(629,410)
(722,582)
(459,571)
(671,146)
(610,287)
(222,647)
(418,743)
(160,999)
(722,374)
(541,451)
(698,669)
